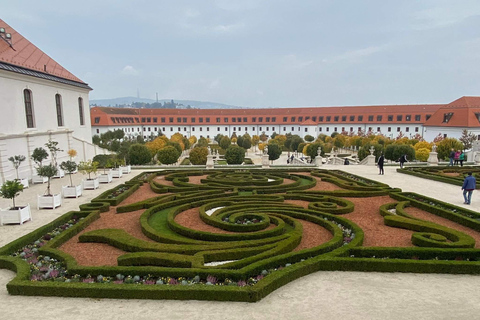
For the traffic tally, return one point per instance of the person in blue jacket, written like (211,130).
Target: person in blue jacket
(469,184)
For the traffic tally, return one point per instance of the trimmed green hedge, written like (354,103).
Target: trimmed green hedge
(260,240)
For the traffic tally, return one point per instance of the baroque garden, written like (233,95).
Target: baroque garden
(239,234)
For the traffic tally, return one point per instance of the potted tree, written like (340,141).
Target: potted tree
(38,156)
(14,214)
(117,171)
(16,161)
(48,200)
(89,167)
(105,163)
(52,146)
(70,191)
(72,153)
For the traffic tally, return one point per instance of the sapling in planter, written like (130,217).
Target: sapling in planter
(38,156)
(48,171)
(48,200)
(10,189)
(52,146)
(89,167)
(70,191)
(16,161)
(54,150)
(69,167)
(20,214)
(115,162)
(105,163)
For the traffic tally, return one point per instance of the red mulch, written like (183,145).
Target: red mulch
(365,215)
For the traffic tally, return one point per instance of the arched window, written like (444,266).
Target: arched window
(58,103)
(80,111)
(27,95)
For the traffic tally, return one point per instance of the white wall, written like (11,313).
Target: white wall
(451,132)
(17,139)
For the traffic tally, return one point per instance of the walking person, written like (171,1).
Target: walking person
(380,162)
(402,160)
(451,156)
(469,184)
(461,158)
(457,155)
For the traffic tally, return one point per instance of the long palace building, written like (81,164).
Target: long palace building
(428,120)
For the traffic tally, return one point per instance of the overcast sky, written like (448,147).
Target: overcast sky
(262,53)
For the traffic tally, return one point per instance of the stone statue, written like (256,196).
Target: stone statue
(265,150)
(372,149)
(434,148)
(319,151)
(209,150)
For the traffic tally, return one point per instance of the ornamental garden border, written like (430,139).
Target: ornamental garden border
(257,254)
(448,174)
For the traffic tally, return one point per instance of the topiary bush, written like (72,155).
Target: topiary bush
(234,154)
(168,155)
(198,156)
(138,154)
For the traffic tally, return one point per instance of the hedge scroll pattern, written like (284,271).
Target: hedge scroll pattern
(453,175)
(260,218)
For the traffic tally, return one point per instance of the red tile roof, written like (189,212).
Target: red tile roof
(108,116)
(26,55)
(459,113)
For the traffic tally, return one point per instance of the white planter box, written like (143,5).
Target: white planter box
(60,173)
(49,202)
(39,179)
(24,182)
(72,192)
(105,177)
(126,169)
(90,184)
(117,173)
(15,216)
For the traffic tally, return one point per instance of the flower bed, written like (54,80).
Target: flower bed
(249,244)
(452,175)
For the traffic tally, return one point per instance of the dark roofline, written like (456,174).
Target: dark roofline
(46,76)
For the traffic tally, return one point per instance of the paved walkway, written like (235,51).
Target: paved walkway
(323,295)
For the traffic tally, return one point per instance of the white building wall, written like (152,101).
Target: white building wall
(450,132)
(17,139)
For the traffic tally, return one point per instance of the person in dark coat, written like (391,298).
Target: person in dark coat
(402,160)
(469,184)
(461,158)
(380,162)
(451,156)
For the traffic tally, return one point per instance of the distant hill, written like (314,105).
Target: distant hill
(128,101)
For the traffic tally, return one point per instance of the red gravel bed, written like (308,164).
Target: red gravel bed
(366,215)
(191,219)
(427,216)
(313,235)
(161,180)
(196,179)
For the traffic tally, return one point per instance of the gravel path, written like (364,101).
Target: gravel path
(323,295)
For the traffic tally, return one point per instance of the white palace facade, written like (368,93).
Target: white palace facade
(39,100)
(426,120)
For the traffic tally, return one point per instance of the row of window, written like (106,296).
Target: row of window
(30,115)
(370,129)
(267,129)
(260,119)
